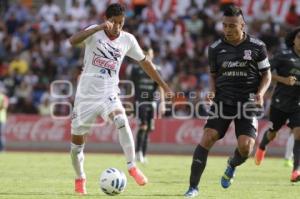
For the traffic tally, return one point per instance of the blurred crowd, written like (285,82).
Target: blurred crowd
(34,47)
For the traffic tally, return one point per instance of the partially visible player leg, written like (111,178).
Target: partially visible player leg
(145,146)
(77,158)
(268,136)
(246,131)
(278,118)
(140,141)
(209,137)
(295,177)
(84,114)
(126,140)
(150,127)
(125,135)
(214,129)
(241,154)
(142,135)
(288,155)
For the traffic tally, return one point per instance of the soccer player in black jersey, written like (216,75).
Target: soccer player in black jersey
(240,74)
(286,99)
(145,105)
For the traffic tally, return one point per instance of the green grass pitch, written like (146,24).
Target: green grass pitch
(50,175)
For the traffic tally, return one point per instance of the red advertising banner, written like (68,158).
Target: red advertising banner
(37,128)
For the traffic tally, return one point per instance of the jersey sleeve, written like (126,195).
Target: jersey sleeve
(263,60)
(135,52)
(212,60)
(275,63)
(89,39)
(134,75)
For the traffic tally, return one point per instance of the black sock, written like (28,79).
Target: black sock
(265,141)
(145,143)
(237,159)
(198,165)
(139,139)
(296,151)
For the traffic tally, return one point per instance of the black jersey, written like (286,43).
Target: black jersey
(237,68)
(287,98)
(143,84)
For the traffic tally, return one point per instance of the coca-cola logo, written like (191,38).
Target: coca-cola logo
(48,129)
(104,63)
(38,128)
(104,133)
(35,129)
(189,132)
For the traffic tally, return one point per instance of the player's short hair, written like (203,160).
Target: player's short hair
(233,11)
(114,9)
(290,37)
(146,48)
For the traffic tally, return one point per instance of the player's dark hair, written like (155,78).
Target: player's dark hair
(290,37)
(233,11)
(146,48)
(114,9)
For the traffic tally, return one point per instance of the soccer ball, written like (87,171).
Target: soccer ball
(112,181)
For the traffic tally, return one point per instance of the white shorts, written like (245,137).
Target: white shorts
(86,111)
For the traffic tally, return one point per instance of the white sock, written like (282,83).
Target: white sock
(77,158)
(130,165)
(125,138)
(289,147)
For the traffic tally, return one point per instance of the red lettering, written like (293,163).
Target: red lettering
(104,63)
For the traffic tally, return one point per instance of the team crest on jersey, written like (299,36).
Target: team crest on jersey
(247,55)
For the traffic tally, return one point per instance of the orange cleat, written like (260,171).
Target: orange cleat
(259,156)
(138,176)
(80,186)
(295,177)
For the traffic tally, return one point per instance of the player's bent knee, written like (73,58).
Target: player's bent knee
(296,132)
(245,152)
(113,114)
(78,139)
(246,149)
(210,136)
(120,120)
(272,135)
(143,127)
(245,145)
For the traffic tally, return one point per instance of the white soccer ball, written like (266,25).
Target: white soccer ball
(112,181)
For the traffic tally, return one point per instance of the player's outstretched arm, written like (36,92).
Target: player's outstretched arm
(263,87)
(79,37)
(290,80)
(162,105)
(212,90)
(212,81)
(149,68)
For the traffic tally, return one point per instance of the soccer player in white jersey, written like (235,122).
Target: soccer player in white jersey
(97,94)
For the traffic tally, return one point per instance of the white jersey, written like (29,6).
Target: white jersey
(102,61)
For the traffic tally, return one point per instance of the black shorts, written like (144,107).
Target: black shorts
(221,115)
(279,118)
(146,116)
